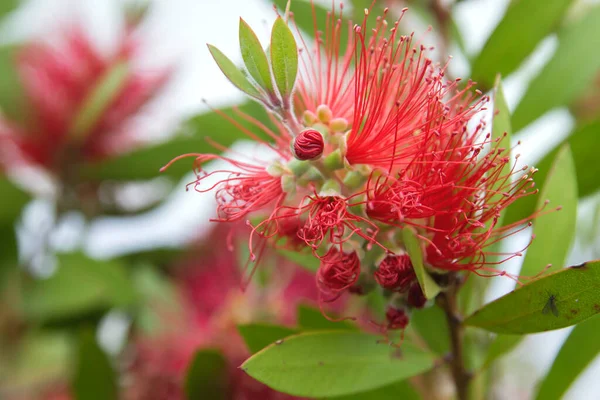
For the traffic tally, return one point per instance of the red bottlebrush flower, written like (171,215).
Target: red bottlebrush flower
(210,306)
(338,271)
(59,82)
(416,298)
(397,318)
(395,272)
(326,77)
(308,145)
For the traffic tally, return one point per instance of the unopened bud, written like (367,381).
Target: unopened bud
(338,125)
(288,184)
(395,273)
(324,113)
(309,118)
(308,145)
(397,318)
(416,298)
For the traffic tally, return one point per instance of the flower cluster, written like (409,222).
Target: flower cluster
(375,140)
(80,101)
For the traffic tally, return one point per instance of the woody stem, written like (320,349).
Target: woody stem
(461,377)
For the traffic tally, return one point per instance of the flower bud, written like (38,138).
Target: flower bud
(397,318)
(338,124)
(309,118)
(324,113)
(338,271)
(308,145)
(416,298)
(395,273)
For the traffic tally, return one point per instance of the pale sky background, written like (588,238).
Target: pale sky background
(177,31)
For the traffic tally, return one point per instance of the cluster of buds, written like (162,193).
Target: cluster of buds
(381,142)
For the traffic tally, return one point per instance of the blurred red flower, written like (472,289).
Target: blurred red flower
(80,101)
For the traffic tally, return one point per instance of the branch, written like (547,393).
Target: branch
(461,377)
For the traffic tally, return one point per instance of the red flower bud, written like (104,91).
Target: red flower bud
(396,318)
(416,298)
(395,272)
(337,272)
(308,145)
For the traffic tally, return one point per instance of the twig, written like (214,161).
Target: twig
(461,377)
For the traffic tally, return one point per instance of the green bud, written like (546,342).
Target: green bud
(334,160)
(324,114)
(309,118)
(354,179)
(330,188)
(288,184)
(338,125)
(298,167)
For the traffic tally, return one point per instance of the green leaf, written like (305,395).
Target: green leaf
(569,72)
(583,143)
(577,352)
(321,364)
(312,319)
(94,106)
(13,201)
(555,230)
(80,286)
(94,374)
(145,163)
(501,131)
(502,345)
(231,71)
(561,299)
(254,57)
(396,391)
(428,285)
(430,323)
(206,376)
(306,260)
(524,25)
(284,57)
(7,6)
(259,336)
(13,101)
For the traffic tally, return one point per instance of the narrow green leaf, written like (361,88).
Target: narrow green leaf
(312,318)
(231,71)
(306,260)
(583,143)
(7,6)
(101,97)
(502,345)
(13,101)
(259,336)
(561,299)
(321,364)
(95,378)
(284,57)
(13,201)
(501,129)
(428,285)
(555,230)
(254,57)
(524,25)
(577,352)
(146,162)
(396,391)
(430,323)
(80,285)
(569,72)
(206,376)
